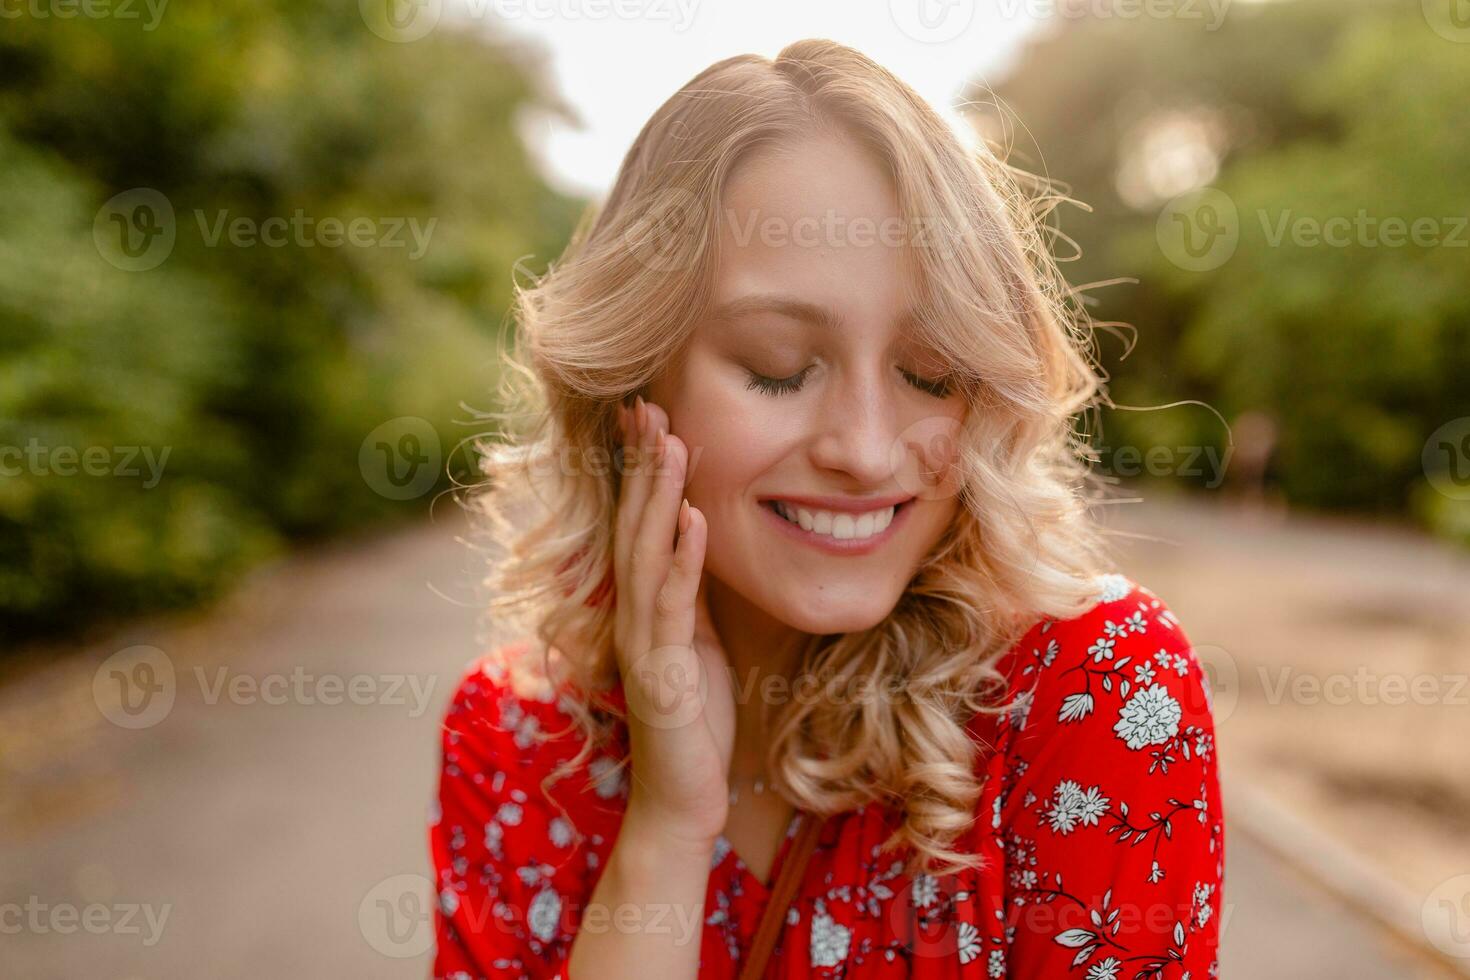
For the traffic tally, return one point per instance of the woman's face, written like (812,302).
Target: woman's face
(804,391)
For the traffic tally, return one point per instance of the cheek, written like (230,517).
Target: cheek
(930,469)
(733,439)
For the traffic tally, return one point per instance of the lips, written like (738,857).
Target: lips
(841,525)
(853,527)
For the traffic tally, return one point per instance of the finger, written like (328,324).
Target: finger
(674,606)
(704,624)
(657,423)
(633,494)
(653,542)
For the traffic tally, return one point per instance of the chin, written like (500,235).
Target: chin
(834,614)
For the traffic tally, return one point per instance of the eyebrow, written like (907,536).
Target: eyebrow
(789,306)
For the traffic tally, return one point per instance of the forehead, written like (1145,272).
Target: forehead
(818,220)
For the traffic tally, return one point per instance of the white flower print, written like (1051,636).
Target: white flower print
(544,914)
(969,942)
(1072,806)
(829,941)
(1091,806)
(1058,838)
(1151,717)
(925,891)
(1202,910)
(1112,587)
(526,731)
(608,776)
(1019,710)
(1181,665)
(1075,707)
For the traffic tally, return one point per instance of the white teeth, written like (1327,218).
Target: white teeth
(839,525)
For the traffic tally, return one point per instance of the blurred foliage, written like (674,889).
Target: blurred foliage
(1298,111)
(258,369)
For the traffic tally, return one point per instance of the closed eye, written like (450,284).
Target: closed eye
(777,386)
(939,388)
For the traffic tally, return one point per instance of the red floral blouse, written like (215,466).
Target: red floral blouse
(1100,822)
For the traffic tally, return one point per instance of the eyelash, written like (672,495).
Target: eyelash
(785,386)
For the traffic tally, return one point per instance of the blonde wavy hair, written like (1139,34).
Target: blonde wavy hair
(614,311)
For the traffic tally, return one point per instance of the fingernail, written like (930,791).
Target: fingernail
(642,411)
(684,516)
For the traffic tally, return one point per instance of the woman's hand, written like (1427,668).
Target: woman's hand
(681,709)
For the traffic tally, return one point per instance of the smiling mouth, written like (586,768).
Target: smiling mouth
(837,525)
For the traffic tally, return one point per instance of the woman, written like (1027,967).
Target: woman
(842,579)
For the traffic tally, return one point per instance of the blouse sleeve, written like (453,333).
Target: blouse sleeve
(502,854)
(1113,824)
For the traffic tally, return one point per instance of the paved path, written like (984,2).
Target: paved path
(274,836)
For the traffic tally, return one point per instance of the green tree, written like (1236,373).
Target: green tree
(261,368)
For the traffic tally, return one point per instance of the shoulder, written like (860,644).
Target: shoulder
(1110,746)
(508,714)
(1125,661)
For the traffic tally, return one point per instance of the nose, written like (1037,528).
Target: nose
(857,428)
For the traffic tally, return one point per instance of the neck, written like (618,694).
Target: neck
(758,647)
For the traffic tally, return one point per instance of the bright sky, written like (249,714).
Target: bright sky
(616,70)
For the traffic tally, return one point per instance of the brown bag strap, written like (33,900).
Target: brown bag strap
(783,893)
